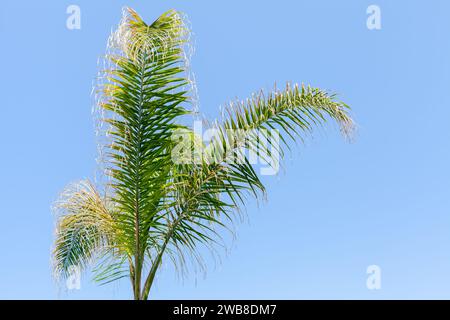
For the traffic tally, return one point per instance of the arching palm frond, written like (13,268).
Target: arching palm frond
(290,114)
(214,189)
(85,228)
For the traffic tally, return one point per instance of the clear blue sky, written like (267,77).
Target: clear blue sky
(338,207)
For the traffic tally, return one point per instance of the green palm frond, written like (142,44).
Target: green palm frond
(290,113)
(85,228)
(144,95)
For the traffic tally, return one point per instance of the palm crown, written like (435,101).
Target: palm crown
(152,206)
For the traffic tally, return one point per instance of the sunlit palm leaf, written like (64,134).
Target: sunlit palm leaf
(85,228)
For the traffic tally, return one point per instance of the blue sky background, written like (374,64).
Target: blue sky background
(338,207)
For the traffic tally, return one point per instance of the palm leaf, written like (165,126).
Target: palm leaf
(85,228)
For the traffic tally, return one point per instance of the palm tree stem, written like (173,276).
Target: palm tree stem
(157,261)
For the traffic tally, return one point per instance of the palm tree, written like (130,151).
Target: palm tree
(152,206)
